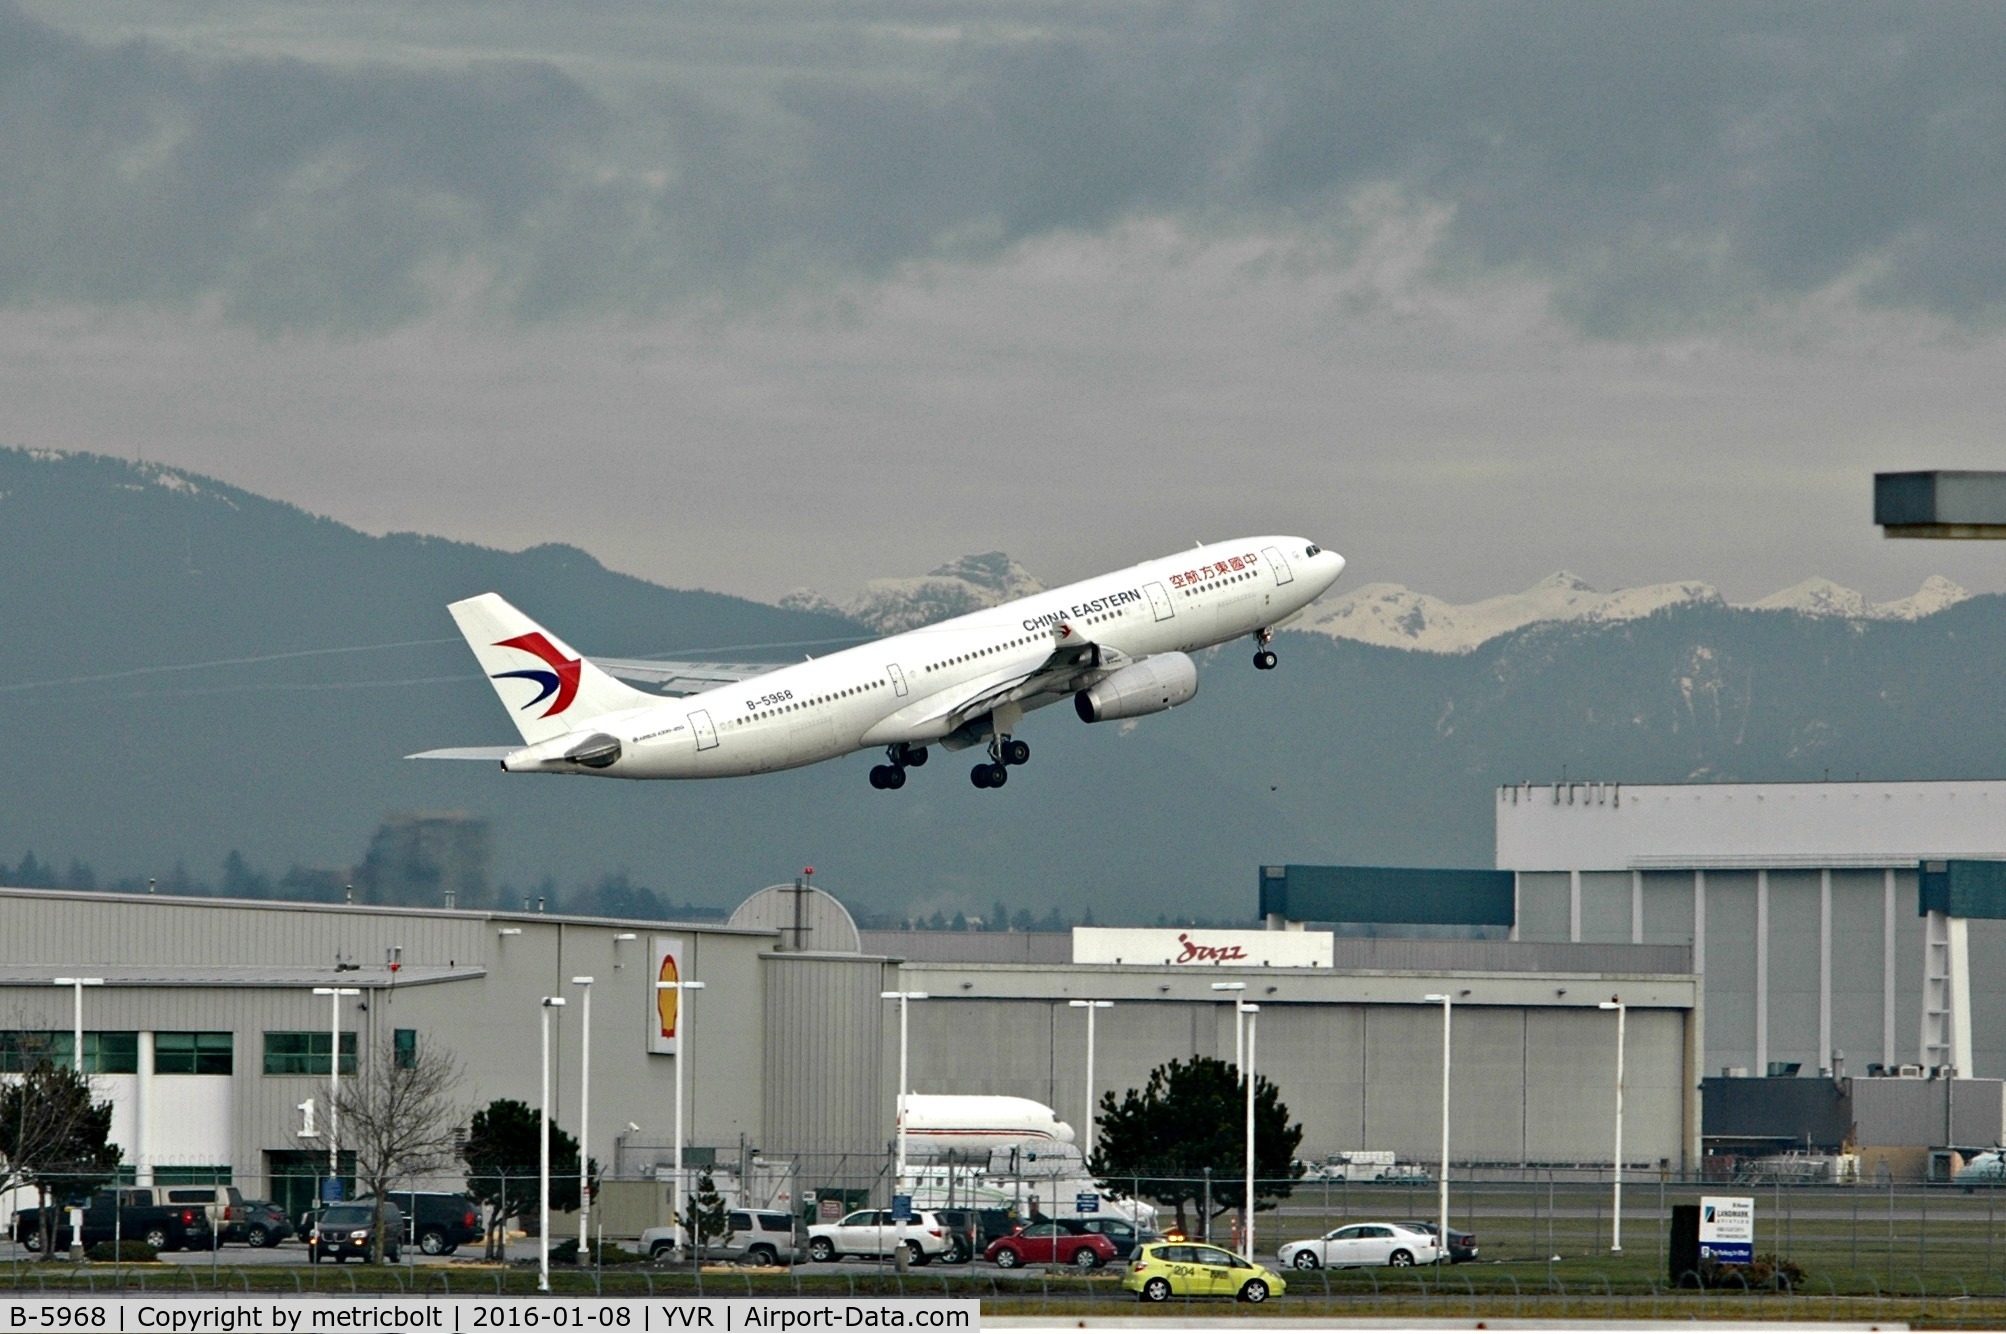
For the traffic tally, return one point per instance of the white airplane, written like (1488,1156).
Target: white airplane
(1117,645)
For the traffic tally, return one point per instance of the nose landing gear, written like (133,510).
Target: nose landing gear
(890,777)
(1265,658)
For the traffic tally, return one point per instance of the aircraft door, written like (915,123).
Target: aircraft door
(700,724)
(1159,602)
(1283,574)
(898,679)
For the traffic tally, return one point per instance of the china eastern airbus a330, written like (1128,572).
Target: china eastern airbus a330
(1118,646)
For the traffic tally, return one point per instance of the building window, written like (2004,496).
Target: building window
(111,1053)
(194,1053)
(404,1048)
(22,1049)
(305,1053)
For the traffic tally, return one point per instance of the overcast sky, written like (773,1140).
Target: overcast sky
(760,295)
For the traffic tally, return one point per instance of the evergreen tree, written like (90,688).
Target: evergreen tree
(703,1215)
(241,882)
(960,922)
(999,917)
(1157,1142)
(501,1154)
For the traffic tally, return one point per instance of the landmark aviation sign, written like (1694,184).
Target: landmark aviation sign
(1727,1228)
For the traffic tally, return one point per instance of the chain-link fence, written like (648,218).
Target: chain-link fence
(1545,1242)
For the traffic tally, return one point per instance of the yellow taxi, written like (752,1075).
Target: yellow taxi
(1161,1270)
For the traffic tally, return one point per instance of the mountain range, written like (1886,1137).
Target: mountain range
(193,669)
(1386,614)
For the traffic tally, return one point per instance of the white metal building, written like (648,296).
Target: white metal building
(1799,902)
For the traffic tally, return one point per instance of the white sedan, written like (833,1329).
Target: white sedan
(1362,1244)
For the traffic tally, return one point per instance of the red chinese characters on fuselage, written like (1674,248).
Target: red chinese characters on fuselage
(1219,570)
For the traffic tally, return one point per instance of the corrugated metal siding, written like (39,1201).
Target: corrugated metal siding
(1509,956)
(489,1022)
(824,1056)
(972,946)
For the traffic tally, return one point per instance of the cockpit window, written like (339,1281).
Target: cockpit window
(1313,550)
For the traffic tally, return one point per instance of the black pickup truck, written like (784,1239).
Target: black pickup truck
(127,1214)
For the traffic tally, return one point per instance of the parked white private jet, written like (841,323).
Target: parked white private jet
(1118,645)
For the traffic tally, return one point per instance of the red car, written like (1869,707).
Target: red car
(1050,1244)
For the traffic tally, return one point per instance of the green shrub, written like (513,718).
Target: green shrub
(125,1251)
(602,1253)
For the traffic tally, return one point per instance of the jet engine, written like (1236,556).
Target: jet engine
(1161,681)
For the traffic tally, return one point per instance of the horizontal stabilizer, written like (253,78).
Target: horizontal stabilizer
(682,678)
(491,754)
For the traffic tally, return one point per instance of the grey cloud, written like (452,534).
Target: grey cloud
(1663,166)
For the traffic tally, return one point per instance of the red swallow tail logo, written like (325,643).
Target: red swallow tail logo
(561,681)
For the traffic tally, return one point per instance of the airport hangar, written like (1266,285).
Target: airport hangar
(207,1036)
(1803,905)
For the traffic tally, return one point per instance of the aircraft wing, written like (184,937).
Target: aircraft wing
(668,677)
(1073,663)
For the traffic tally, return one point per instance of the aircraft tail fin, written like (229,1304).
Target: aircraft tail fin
(548,688)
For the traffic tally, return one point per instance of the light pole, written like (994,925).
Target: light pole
(543,1154)
(79,983)
(584,1115)
(898,1177)
(1090,1006)
(1239,1050)
(334,995)
(1616,1213)
(682,990)
(1253,1013)
(1442,1240)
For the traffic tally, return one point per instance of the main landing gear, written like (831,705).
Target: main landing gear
(1265,658)
(1004,751)
(891,776)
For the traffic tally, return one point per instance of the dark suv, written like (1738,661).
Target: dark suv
(342,1230)
(435,1222)
(988,1225)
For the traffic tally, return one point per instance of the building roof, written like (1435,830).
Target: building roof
(375,909)
(377,978)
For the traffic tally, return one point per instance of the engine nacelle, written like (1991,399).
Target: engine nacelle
(1162,681)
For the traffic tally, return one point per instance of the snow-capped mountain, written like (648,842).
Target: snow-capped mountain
(955,589)
(1388,615)
(1397,617)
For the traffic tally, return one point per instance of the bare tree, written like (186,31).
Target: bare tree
(399,1117)
(53,1136)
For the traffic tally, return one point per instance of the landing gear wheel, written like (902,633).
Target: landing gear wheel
(887,777)
(1266,660)
(913,757)
(894,779)
(998,775)
(1016,752)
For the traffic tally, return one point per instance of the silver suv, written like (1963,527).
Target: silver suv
(752,1236)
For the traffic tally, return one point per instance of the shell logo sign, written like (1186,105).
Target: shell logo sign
(664,1021)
